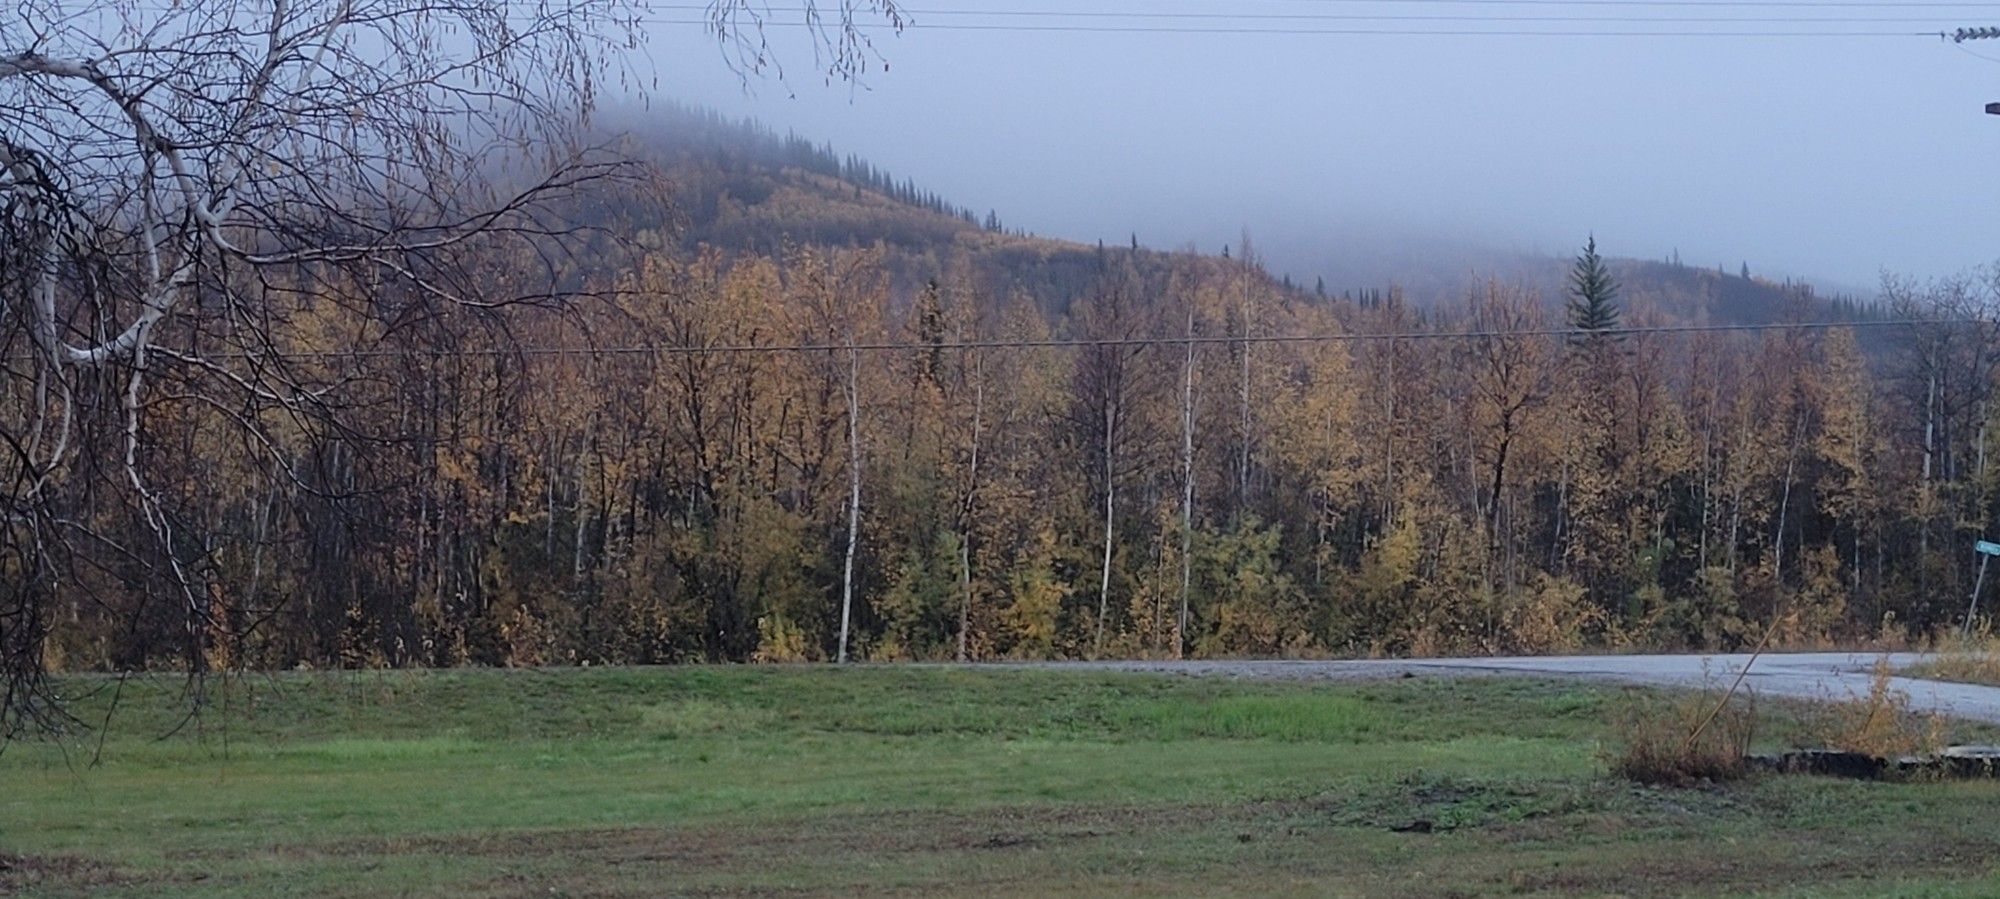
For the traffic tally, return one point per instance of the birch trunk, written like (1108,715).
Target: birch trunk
(1104,580)
(966,507)
(853,495)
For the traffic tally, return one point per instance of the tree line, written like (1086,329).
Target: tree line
(791,457)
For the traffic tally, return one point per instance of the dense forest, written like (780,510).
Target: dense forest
(804,407)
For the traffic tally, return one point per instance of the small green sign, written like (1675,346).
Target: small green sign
(1991,549)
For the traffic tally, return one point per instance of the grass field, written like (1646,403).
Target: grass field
(817,781)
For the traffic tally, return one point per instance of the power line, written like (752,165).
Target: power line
(1400,32)
(1086,342)
(1353,17)
(1133,22)
(1705,4)
(1962,48)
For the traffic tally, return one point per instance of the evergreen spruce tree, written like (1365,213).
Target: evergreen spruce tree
(1593,293)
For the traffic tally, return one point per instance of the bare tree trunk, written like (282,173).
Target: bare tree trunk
(1389,443)
(549,529)
(1499,484)
(266,512)
(1243,400)
(1979,464)
(1856,589)
(1707,469)
(1104,581)
(1557,557)
(853,494)
(582,497)
(966,507)
(1930,432)
(965,594)
(1735,522)
(1187,488)
(1785,502)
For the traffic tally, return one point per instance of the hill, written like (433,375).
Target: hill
(695,466)
(746,189)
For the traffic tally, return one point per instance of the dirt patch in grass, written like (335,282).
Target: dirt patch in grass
(841,854)
(882,833)
(1420,804)
(1640,848)
(1472,836)
(20,873)
(1435,804)
(1686,870)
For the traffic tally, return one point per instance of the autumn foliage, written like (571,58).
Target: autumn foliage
(1061,448)
(645,486)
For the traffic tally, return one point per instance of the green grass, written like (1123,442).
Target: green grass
(820,781)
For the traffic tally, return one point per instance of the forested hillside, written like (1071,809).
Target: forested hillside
(812,387)
(743,190)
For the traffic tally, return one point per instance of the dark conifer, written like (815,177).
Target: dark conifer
(1593,293)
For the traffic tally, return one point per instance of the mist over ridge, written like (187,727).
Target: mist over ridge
(1825,160)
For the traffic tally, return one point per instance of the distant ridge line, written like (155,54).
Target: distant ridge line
(1083,342)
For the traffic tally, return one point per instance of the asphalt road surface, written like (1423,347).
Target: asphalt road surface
(1833,676)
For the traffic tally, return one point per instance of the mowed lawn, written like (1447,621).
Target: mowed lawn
(922,781)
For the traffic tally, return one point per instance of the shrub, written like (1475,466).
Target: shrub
(1880,724)
(1554,615)
(1971,659)
(1684,739)
(779,640)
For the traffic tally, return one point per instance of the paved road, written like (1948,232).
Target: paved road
(1812,675)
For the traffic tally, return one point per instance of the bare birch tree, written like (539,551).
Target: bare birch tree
(186,187)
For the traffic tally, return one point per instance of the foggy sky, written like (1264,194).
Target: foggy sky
(1829,158)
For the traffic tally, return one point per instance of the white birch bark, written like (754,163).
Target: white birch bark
(853,494)
(1110,490)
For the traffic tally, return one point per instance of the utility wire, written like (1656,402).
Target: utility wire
(1135,21)
(1224,29)
(1694,9)
(1086,342)
(1962,48)
(1692,4)
(1359,17)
